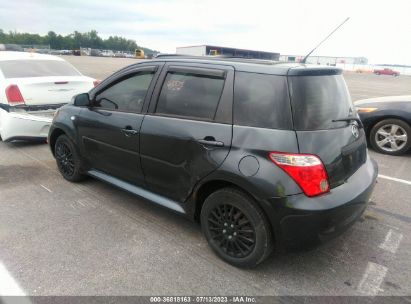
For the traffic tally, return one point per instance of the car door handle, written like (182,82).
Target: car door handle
(210,141)
(129,132)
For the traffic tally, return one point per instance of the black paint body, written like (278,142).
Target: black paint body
(181,160)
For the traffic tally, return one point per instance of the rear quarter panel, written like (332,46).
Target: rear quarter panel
(249,167)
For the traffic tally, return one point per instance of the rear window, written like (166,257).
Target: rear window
(36,68)
(317,100)
(261,100)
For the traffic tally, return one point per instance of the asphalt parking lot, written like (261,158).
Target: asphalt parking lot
(361,85)
(59,238)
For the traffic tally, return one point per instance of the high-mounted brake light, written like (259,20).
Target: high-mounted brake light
(13,95)
(96,82)
(306,170)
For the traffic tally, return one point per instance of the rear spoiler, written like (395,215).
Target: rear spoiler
(304,70)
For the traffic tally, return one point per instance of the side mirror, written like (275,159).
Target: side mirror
(82,100)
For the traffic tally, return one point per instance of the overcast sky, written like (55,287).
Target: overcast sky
(379,30)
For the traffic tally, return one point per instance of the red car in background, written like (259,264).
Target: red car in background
(386,71)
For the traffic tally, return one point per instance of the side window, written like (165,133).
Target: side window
(127,95)
(261,100)
(190,95)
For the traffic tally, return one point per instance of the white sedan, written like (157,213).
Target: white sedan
(32,87)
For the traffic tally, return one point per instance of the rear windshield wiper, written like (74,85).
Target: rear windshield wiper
(350,119)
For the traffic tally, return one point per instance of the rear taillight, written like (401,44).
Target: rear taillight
(306,170)
(13,95)
(96,82)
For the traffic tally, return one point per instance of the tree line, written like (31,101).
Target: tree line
(72,41)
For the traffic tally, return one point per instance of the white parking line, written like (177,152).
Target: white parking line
(372,279)
(392,241)
(395,179)
(44,187)
(390,226)
(79,201)
(8,286)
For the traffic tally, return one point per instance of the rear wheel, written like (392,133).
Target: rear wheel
(391,136)
(236,228)
(68,160)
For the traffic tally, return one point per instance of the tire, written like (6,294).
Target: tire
(68,160)
(395,133)
(236,228)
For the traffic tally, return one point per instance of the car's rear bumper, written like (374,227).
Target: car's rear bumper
(24,126)
(302,221)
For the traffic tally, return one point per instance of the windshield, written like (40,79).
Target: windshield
(36,68)
(317,100)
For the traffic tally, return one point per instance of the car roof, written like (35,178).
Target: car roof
(10,55)
(257,65)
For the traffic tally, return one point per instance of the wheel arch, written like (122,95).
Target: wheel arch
(203,190)
(378,119)
(53,137)
(56,131)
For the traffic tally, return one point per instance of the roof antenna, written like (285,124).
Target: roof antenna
(308,55)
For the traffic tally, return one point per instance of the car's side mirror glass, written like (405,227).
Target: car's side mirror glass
(82,100)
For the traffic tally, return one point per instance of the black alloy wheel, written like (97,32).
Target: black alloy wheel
(233,231)
(64,158)
(236,228)
(68,160)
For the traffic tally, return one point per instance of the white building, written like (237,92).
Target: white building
(325,60)
(204,50)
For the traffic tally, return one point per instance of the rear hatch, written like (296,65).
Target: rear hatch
(318,99)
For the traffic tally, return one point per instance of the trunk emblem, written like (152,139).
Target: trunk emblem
(355,131)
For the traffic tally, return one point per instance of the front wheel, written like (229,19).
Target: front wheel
(236,228)
(391,136)
(68,160)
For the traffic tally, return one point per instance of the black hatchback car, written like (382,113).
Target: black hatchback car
(264,155)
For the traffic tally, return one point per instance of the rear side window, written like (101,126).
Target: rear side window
(317,100)
(190,95)
(261,100)
(36,68)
